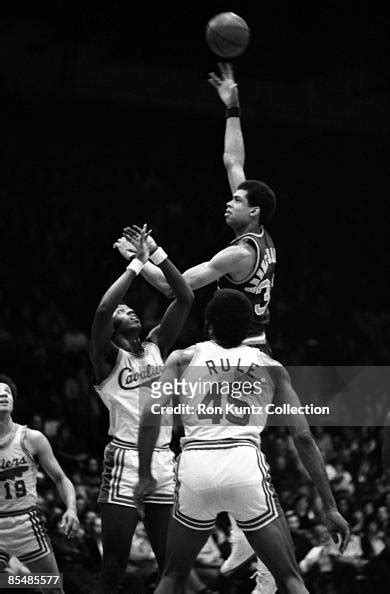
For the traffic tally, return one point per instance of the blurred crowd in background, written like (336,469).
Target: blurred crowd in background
(67,192)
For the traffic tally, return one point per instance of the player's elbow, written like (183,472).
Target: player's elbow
(102,310)
(303,438)
(59,478)
(232,161)
(167,291)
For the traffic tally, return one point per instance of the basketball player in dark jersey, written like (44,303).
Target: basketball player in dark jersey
(247,264)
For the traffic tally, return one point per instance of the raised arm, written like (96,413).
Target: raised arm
(227,261)
(41,449)
(310,455)
(176,314)
(102,349)
(234,150)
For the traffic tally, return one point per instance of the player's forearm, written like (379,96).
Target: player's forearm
(156,278)
(234,149)
(114,295)
(312,461)
(180,288)
(194,277)
(67,492)
(147,439)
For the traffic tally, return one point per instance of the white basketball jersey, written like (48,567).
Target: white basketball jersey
(18,474)
(126,390)
(231,388)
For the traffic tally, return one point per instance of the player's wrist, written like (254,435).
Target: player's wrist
(233,111)
(136,265)
(158,256)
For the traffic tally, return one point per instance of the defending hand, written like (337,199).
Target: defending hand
(125,248)
(133,234)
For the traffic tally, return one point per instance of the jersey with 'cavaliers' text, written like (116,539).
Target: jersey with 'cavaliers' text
(259,282)
(18,475)
(126,390)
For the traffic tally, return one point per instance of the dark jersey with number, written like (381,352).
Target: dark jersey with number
(258,284)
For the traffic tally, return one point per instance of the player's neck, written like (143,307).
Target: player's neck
(129,342)
(250,228)
(132,344)
(6,425)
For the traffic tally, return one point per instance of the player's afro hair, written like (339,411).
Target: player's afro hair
(229,313)
(5,379)
(259,194)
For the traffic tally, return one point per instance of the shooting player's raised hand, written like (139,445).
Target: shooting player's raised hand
(225,84)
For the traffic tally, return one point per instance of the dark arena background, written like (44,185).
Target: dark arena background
(107,119)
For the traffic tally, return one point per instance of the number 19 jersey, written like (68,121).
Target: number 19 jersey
(18,473)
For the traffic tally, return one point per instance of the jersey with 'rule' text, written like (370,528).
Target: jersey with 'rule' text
(225,393)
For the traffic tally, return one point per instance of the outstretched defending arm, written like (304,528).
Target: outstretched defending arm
(234,150)
(227,261)
(175,316)
(310,456)
(102,349)
(173,320)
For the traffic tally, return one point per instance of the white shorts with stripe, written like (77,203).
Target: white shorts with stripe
(22,534)
(226,475)
(120,474)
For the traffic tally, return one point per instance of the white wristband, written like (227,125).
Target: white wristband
(136,266)
(158,256)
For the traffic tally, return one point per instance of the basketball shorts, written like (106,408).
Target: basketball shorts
(24,535)
(120,475)
(217,476)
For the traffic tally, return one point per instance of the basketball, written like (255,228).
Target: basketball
(227,35)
